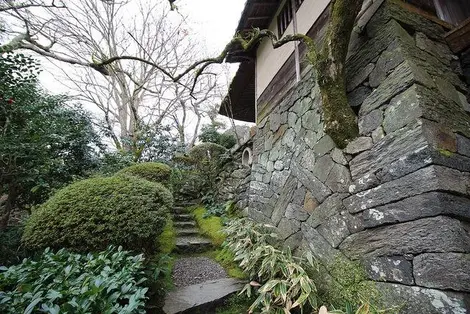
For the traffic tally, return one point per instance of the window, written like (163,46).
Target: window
(286,15)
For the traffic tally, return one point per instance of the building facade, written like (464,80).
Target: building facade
(397,198)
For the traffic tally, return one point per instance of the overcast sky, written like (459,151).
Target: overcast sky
(216,20)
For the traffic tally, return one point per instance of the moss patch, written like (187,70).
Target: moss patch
(346,284)
(236,304)
(445,152)
(225,259)
(167,240)
(210,226)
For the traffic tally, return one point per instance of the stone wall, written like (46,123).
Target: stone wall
(398,197)
(235,177)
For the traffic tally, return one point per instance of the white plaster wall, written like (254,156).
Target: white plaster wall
(268,60)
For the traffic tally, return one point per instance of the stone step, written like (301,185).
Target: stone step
(192,244)
(201,298)
(184,224)
(188,231)
(183,217)
(179,209)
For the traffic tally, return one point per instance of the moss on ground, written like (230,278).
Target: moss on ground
(225,259)
(167,240)
(210,226)
(236,304)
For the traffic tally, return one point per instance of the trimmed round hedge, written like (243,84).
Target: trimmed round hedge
(91,214)
(151,171)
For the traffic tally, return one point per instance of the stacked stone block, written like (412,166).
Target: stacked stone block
(398,197)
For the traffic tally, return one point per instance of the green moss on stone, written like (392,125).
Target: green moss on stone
(446,152)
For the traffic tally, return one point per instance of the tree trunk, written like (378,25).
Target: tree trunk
(9,206)
(339,118)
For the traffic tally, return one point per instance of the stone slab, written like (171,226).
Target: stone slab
(412,299)
(437,234)
(191,298)
(443,271)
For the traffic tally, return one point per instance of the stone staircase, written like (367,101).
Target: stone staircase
(188,239)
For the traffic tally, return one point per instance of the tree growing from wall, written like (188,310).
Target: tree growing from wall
(328,59)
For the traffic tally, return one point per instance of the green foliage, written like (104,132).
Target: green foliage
(351,284)
(11,251)
(226,258)
(210,226)
(91,214)
(45,143)
(207,152)
(112,162)
(209,134)
(151,171)
(167,240)
(108,282)
(282,282)
(236,304)
(208,159)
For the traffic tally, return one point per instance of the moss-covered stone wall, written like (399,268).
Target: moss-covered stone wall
(396,199)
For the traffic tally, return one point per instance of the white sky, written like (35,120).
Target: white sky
(215,20)
(211,21)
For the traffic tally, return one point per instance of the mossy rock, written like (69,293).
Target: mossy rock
(151,171)
(90,215)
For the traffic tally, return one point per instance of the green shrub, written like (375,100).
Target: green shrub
(207,152)
(92,214)
(63,282)
(151,171)
(210,134)
(280,279)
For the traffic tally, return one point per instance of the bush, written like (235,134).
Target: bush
(207,152)
(63,282)
(151,171)
(210,134)
(92,214)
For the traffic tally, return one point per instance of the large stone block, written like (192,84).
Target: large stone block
(432,178)
(370,122)
(319,190)
(412,299)
(331,206)
(322,167)
(339,178)
(400,79)
(390,268)
(443,271)
(437,234)
(419,206)
(388,61)
(403,109)
(334,230)
(405,142)
(317,244)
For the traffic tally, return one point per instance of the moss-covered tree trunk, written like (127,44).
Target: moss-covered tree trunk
(340,120)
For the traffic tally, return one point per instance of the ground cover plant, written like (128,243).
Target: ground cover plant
(111,281)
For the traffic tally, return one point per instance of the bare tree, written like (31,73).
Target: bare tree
(328,59)
(133,97)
